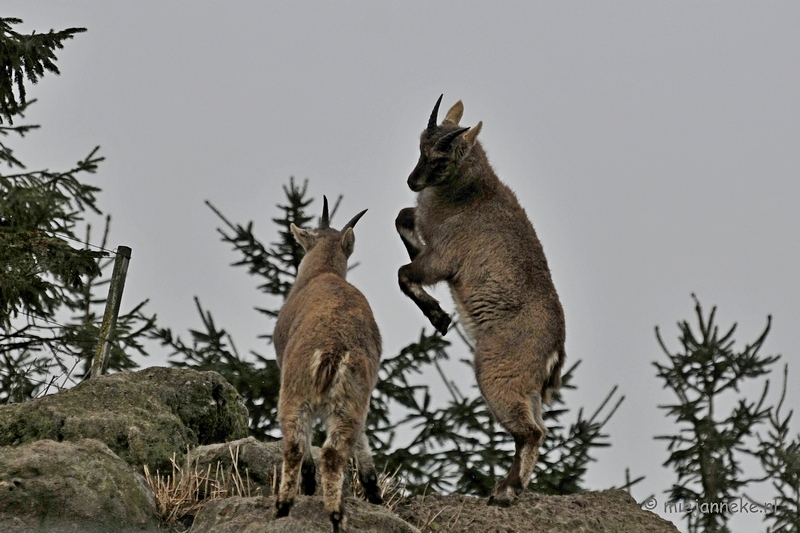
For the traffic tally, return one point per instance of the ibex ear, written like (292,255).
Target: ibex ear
(471,137)
(455,113)
(348,242)
(303,236)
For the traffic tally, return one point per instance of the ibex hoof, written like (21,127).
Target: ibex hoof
(503,495)
(282,509)
(371,489)
(441,322)
(374,496)
(338,522)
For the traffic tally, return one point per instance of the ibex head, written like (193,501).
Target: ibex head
(329,245)
(442,148)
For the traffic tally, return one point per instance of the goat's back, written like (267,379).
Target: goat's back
(326,332)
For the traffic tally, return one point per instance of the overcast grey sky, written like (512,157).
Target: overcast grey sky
(655,147)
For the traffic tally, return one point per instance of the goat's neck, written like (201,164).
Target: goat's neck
(311,267)
(473,184)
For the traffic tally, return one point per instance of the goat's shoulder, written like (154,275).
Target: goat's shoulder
(327,299)
(330,311)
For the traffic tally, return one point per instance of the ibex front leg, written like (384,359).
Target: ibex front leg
(404,223)
(423,271)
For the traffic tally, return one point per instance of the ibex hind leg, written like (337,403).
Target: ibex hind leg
(521,416)
(343,433)
(295,450)
(367,474)
(528,449)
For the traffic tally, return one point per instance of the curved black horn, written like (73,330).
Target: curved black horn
(444,143)
(353,221)
(325,221)
(434,115)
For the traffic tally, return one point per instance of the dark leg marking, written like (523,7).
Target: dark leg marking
(369,480)
(282,508)
(308,478)
(336,521)
(404,223)
(411,287)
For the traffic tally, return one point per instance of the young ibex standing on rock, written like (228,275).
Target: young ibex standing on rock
(328,349)
(469,230)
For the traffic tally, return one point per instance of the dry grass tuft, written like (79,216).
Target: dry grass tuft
(451,524)
(392,488)
(180,495)
(429,522)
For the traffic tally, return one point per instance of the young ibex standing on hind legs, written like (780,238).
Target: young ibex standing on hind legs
(328,348)
(469,230)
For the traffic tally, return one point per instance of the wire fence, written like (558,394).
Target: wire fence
(33,337)
(90,245)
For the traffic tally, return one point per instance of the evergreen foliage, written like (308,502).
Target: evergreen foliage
(25,57)
(708,450)
(458,447)
(441,444)
(38,210)
(43,277)
(257,378)
(780,459)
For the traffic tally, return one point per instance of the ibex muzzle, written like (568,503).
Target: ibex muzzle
(469,230)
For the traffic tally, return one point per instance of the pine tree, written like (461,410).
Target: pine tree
(446,445)
(38,210)
(255,376)
(708,450)
(780,458)
(43,276)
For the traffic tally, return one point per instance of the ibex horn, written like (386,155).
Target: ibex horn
(444,143)
(353,220)
(325,222)
(434,115)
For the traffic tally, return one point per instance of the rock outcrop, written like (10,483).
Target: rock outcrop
(259,461)
(608,511)
(81,486)
(72,462)
(144,417)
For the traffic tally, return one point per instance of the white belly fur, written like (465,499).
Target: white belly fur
(464,318)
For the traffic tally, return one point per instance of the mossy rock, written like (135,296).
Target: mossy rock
(144,417)
(81,486)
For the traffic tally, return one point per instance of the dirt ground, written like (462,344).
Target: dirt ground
(612,511)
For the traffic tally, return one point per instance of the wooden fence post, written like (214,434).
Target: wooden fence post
(100,361)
